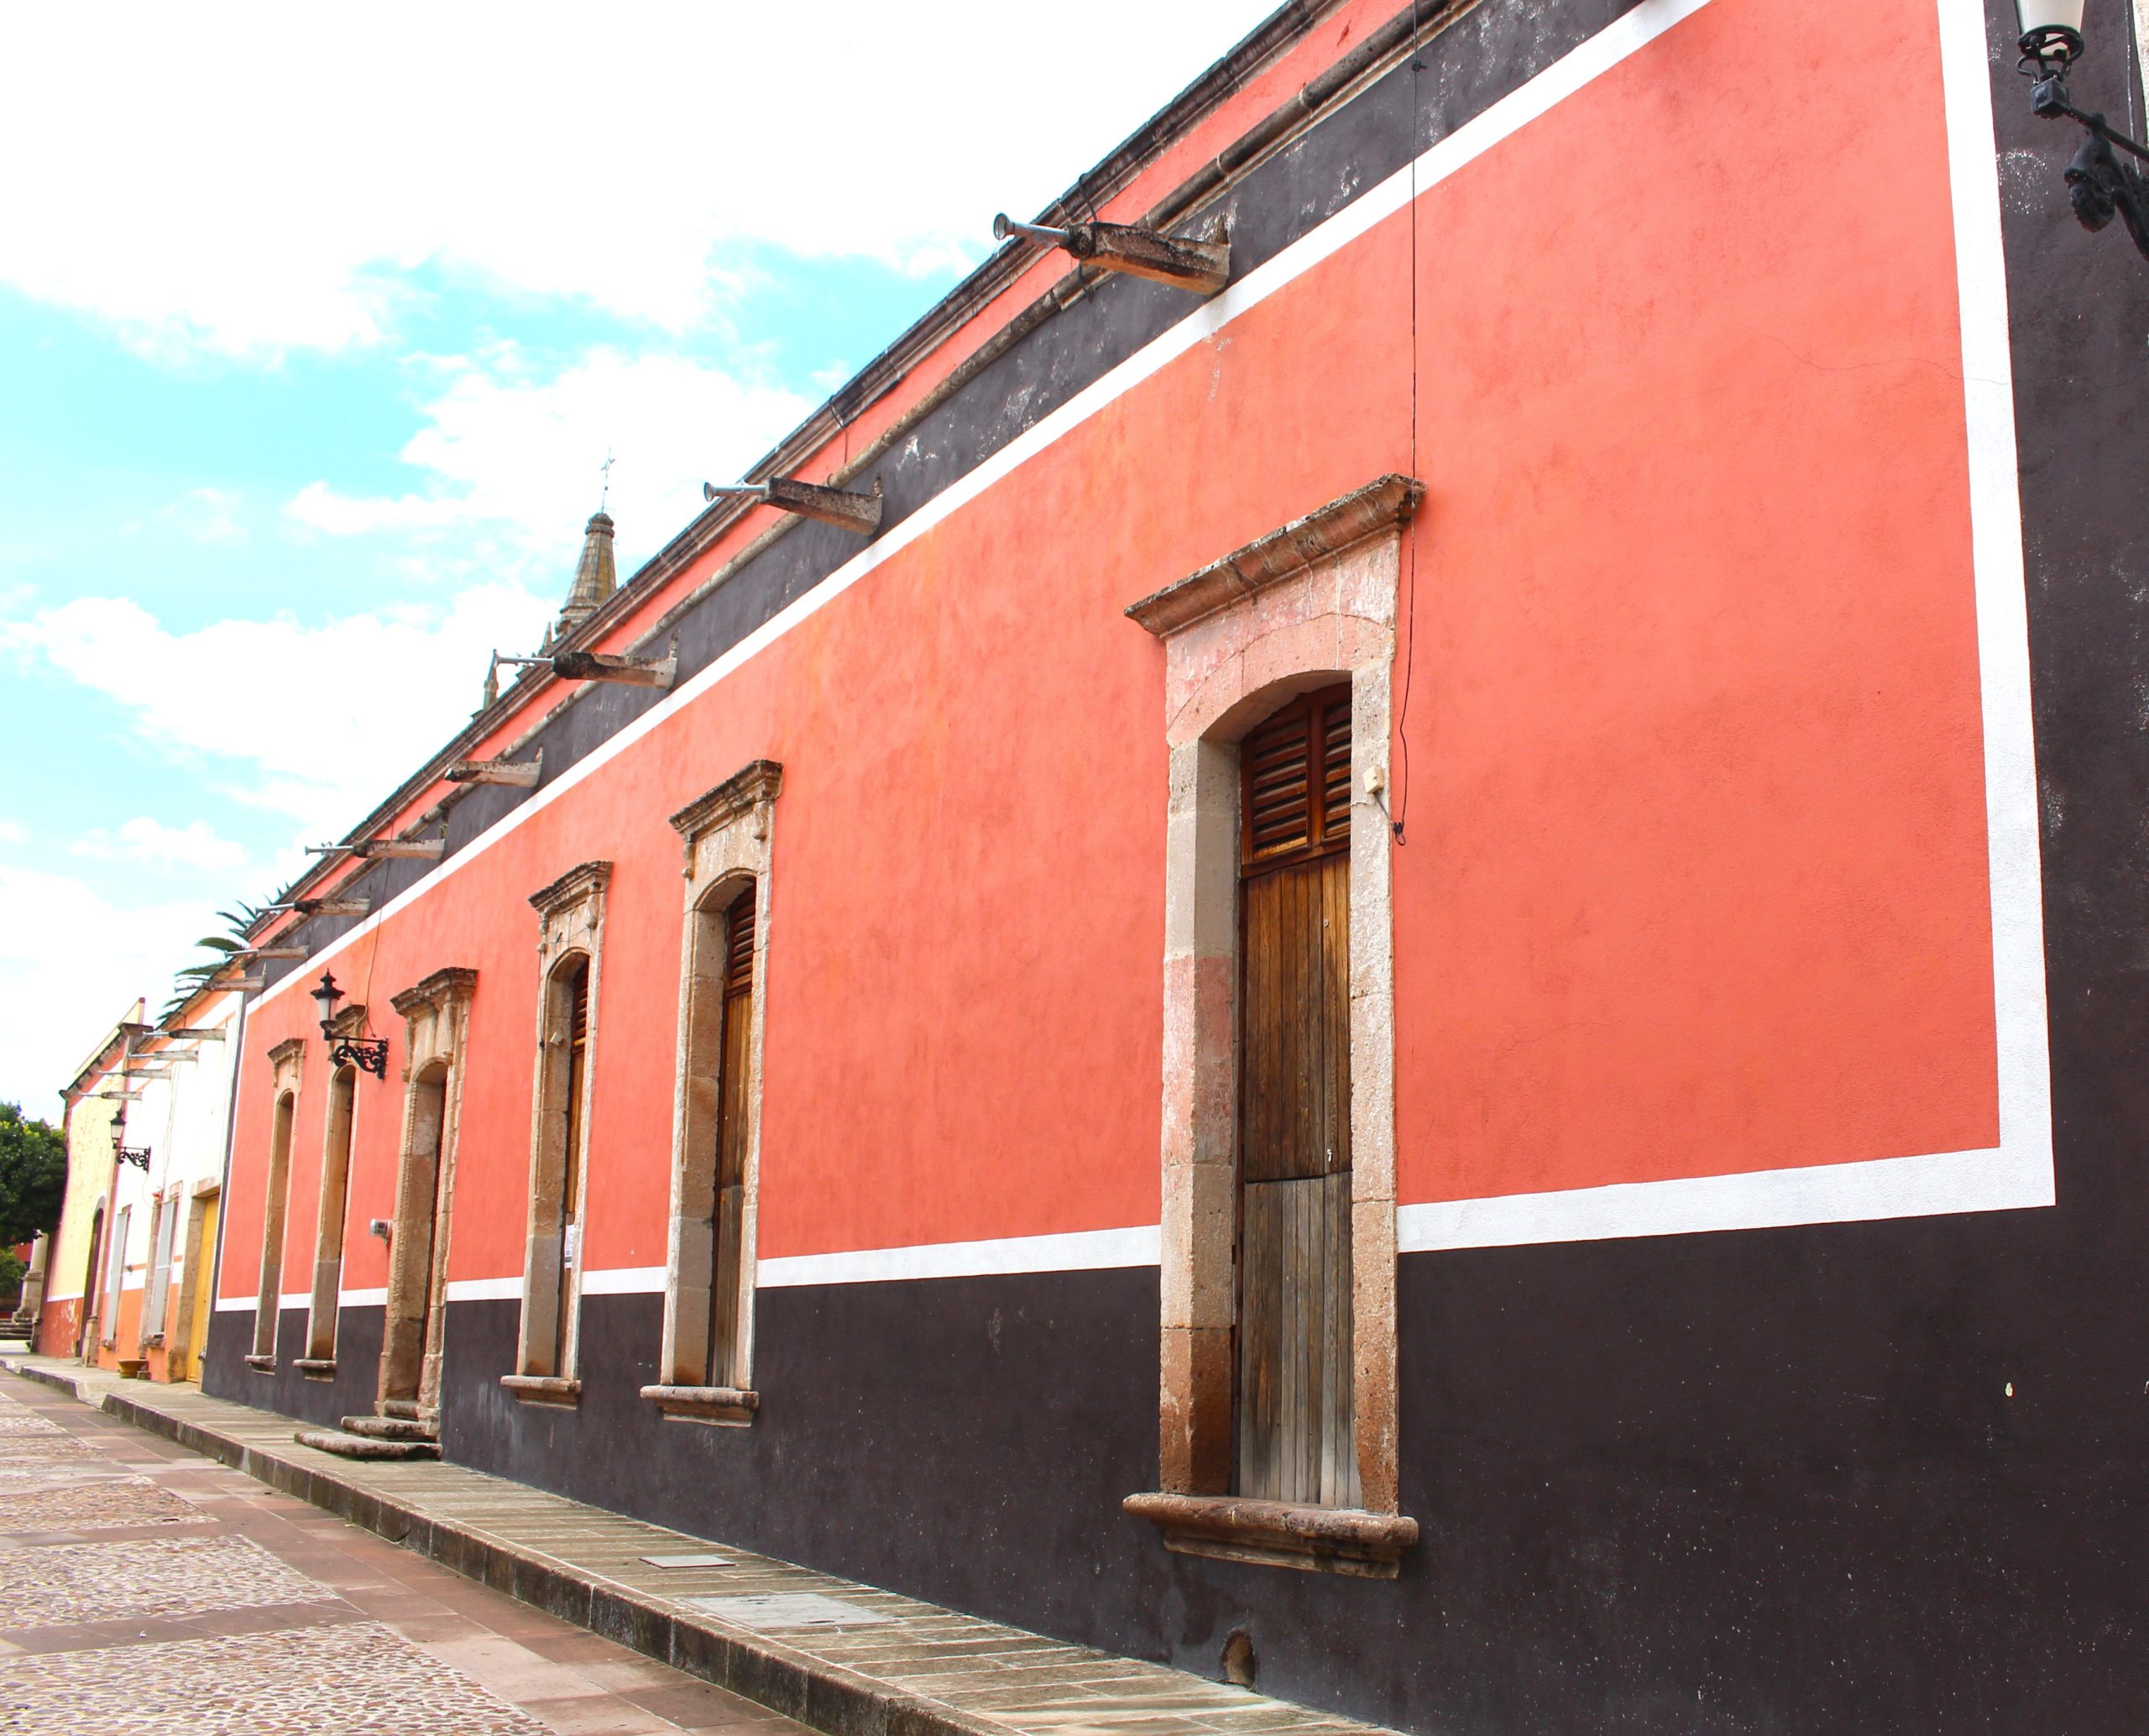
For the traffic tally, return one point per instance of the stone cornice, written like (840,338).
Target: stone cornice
(290,1049)
(1382,505)
(586,880)
(756,785)
(456,983)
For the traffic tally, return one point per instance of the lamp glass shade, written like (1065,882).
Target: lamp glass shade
(2049,14)
(326,997)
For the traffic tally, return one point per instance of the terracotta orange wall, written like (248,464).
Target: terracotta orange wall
(1695,873)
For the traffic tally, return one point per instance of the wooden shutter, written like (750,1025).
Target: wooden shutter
(731,1134)
(571,1161)
(1296,1441)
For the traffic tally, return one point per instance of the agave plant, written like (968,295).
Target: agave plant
(190,981)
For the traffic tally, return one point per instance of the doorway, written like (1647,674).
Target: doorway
(196,1289)
(1295,1438)
(410,1350)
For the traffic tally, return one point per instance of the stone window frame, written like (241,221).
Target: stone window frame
(1304,607)
(287,1065)
(332,1213)
(729,838)
(570,925)
(436,1014)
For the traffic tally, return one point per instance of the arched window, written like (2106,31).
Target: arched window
(436,1014)
(706,1366)
(1294,1375)
(274,1203)
(556,1180)
(92,1290)
(328,1238)
(1277,1423)
(571,916)
(723,1033)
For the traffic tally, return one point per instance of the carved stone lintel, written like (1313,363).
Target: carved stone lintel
(1316,1539)
(455,982)
(759,782)
(571,888)
(206,1035)
(732,1405)
(333,906)
(1269,560)
(290,1049)
(422,850)
(273,952)
(316,1368)
(262,1365)
(239,984)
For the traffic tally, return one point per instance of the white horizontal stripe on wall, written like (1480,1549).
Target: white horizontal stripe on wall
(363,1299)
(624,1281)
(485,1290)
(1082,1251)
(245,1305)
(1995,1180)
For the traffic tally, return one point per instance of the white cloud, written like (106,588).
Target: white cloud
(268,177)
(321,722)
(71,965)
(143,840)
(205,515)
(504,447)
(10,833)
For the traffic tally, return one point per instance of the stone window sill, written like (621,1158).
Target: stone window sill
(316,1367)
(1315,1539)
(732,1405)
(543,1390)
(262,1365)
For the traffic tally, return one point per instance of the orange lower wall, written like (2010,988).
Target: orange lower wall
(1695,872)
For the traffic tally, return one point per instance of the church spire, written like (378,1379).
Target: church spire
(595,578)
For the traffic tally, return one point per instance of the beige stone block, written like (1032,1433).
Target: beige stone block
(1367,580)
(1199,1216)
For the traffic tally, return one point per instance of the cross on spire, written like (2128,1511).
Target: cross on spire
(606,493)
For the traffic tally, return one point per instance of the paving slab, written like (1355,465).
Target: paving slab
(899,1667)
(185,1596)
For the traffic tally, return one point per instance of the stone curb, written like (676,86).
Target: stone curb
(824,1696)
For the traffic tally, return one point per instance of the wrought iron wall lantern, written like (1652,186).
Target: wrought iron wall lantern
(122,1152)
(368,1054)
(2100,186)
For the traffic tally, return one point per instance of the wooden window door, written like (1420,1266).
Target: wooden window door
(733,1117)
(571,1177)
(1295,1442)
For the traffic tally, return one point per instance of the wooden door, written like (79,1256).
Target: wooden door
(571,1180)
(200,1269)
(1295,1438)
(732,1132)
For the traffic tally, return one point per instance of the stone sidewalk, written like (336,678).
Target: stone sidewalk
(844,1658)
(146,1590)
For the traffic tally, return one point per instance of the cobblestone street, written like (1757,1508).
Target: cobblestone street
(143,1588)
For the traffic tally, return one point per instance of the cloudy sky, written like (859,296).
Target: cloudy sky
(316,325)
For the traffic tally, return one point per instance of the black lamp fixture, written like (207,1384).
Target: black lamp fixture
(2100,186)
(122,1152)
(368,1054)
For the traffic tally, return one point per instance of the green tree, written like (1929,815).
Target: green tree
(32,1175)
